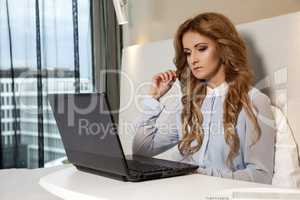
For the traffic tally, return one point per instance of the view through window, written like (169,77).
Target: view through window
(45,47)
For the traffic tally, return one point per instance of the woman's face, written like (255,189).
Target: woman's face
(202,57)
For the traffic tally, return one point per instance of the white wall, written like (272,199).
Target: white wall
(274,49)
(155,20)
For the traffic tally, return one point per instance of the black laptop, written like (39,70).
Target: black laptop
(92,143)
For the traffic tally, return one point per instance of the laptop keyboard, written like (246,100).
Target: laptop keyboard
(144,167)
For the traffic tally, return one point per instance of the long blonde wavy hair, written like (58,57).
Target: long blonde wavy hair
(238,75)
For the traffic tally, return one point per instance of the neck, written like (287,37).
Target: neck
(218,78)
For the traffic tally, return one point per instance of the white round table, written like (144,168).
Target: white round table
(72,184)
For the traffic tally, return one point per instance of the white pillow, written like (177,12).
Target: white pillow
(286,168)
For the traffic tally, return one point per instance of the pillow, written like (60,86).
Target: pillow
(286,168)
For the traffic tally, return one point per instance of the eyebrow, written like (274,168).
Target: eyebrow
(196,45)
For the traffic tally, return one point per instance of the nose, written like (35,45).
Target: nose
(194,58)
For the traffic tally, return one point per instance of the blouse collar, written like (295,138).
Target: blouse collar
(220,90)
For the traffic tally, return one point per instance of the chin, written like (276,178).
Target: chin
(200,76)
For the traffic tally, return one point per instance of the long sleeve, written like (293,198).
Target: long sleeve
(151,139)
(258,158)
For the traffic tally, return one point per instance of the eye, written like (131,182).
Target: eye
(187,53)
(202,48)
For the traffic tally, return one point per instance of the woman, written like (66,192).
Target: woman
(225,125)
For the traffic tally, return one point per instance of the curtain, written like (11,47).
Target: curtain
(46,47)
(108,45)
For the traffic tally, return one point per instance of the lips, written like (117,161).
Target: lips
(197,68)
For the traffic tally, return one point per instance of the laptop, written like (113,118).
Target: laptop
(92,143)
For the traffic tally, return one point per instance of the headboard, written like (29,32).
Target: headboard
(274,52)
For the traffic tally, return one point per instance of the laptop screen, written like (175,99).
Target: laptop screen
(88,132)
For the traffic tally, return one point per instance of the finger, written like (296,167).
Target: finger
(167,76)
(161,77)
(164,76)
(156,79)
(170,75)
(174,73)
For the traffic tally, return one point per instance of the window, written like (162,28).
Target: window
(46,51)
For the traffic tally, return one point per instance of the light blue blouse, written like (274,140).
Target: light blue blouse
(253,163)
